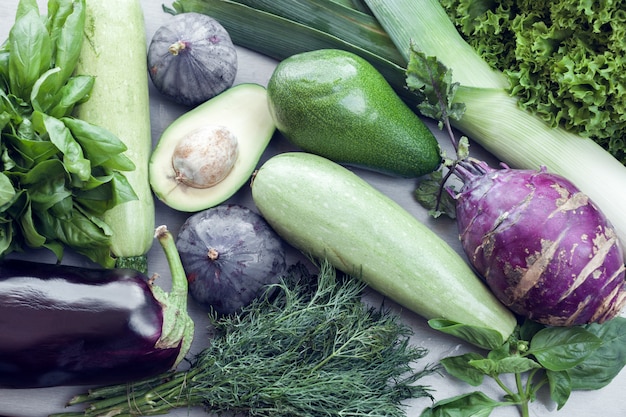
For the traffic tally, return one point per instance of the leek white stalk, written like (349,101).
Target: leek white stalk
(493,118)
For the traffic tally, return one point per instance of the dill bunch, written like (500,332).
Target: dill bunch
(309,347)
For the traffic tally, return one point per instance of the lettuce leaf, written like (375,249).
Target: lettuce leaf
(564,59)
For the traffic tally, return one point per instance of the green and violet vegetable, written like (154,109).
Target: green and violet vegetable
(59,174)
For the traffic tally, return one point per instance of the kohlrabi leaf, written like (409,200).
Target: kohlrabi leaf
(432,82)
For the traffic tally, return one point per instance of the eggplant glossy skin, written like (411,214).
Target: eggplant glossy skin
(65,325)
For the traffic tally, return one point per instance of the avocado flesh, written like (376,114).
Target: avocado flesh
(243,110)
(335,104)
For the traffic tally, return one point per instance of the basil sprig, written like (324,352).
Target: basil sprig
(560,359)
(58,174)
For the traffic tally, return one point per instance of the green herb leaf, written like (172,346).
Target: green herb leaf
(7,192)
(101,147)
(44,92)
(560,387)
(29,53)
(562,348)
(509,365)
(30,233)
(430,194)
(478,336)
(62,138)
(46,183)
(474,404)
(67,39)
(459,367)
(75,91)
(599,368)
(104,193)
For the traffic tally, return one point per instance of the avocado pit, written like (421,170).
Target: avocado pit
(205,156)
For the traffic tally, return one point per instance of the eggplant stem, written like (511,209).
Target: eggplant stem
(178,327)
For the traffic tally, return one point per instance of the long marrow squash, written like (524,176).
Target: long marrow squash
(114,52)
(327,211)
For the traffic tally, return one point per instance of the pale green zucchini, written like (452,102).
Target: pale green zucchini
(114,51)
(327,211)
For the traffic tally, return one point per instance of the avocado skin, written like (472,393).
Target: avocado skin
(335,104)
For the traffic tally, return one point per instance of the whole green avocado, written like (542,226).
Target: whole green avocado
(335,104)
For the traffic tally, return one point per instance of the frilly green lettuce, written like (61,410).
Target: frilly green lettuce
(565,60)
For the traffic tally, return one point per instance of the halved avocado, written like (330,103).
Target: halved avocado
(243,110)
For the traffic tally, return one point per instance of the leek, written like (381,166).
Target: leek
(492,117)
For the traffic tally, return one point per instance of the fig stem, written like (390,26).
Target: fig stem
(177,47)
(213,254)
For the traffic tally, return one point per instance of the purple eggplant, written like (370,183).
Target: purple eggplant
(68,325)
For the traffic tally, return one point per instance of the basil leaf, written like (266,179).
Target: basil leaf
(32,151)
(561,348)
(68,41)
(6,235)
(47,184)
(599,368)
(7,191)
(62,138)
(478,336)
(29,53)
(26,6)
(459,367)
(101,146)
(82,233)
(510,365)
(44,92)
(58,12)
(475,404)
(4,68)
(560,387)
(109,192)
(529,328)
(29,231)
(75,91)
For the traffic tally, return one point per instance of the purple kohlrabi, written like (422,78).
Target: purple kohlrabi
(543,247)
